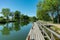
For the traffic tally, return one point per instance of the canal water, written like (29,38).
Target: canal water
(14,31)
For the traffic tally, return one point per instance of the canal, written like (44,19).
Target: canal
(14,31)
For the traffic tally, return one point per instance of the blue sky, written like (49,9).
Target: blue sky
(27,7)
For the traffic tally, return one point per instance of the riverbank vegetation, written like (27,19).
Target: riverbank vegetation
(49,10)
(9,16)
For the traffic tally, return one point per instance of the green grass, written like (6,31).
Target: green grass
(56,29)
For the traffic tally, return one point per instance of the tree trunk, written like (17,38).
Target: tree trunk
(7,18)
(12,18)
(57,15)
(52,17)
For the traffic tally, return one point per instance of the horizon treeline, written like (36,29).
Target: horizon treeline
(17,15)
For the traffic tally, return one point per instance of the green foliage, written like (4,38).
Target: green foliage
(24,23)
(2,20)
(42,11)
(54,7)
(24,17)
(17,26)
(6,12)
(43,15)
(46,7)
(33,19)
(5,31)
(12,15)
(17,15)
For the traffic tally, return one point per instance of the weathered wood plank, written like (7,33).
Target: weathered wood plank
(35,33)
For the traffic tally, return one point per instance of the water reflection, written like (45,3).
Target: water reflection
(24,23)
(17,26)
(14,31)
(12,26)
(5,31)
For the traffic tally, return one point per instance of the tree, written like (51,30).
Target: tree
(24,18)
(17,15)
(50,6)
(21,17)
(42,11)
(42,15)
(6,12)
(33,19)
(11,14)
(54,6)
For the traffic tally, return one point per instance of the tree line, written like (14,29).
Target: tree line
(24,18)
(7,13)
(49,10)
(16,16)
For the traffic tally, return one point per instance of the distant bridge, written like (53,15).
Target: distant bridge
(40,32)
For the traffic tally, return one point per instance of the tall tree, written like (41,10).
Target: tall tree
(50,6)
(17,15)
(55,7)
(42,11)
(6,12)
(11,14)
(24,18)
